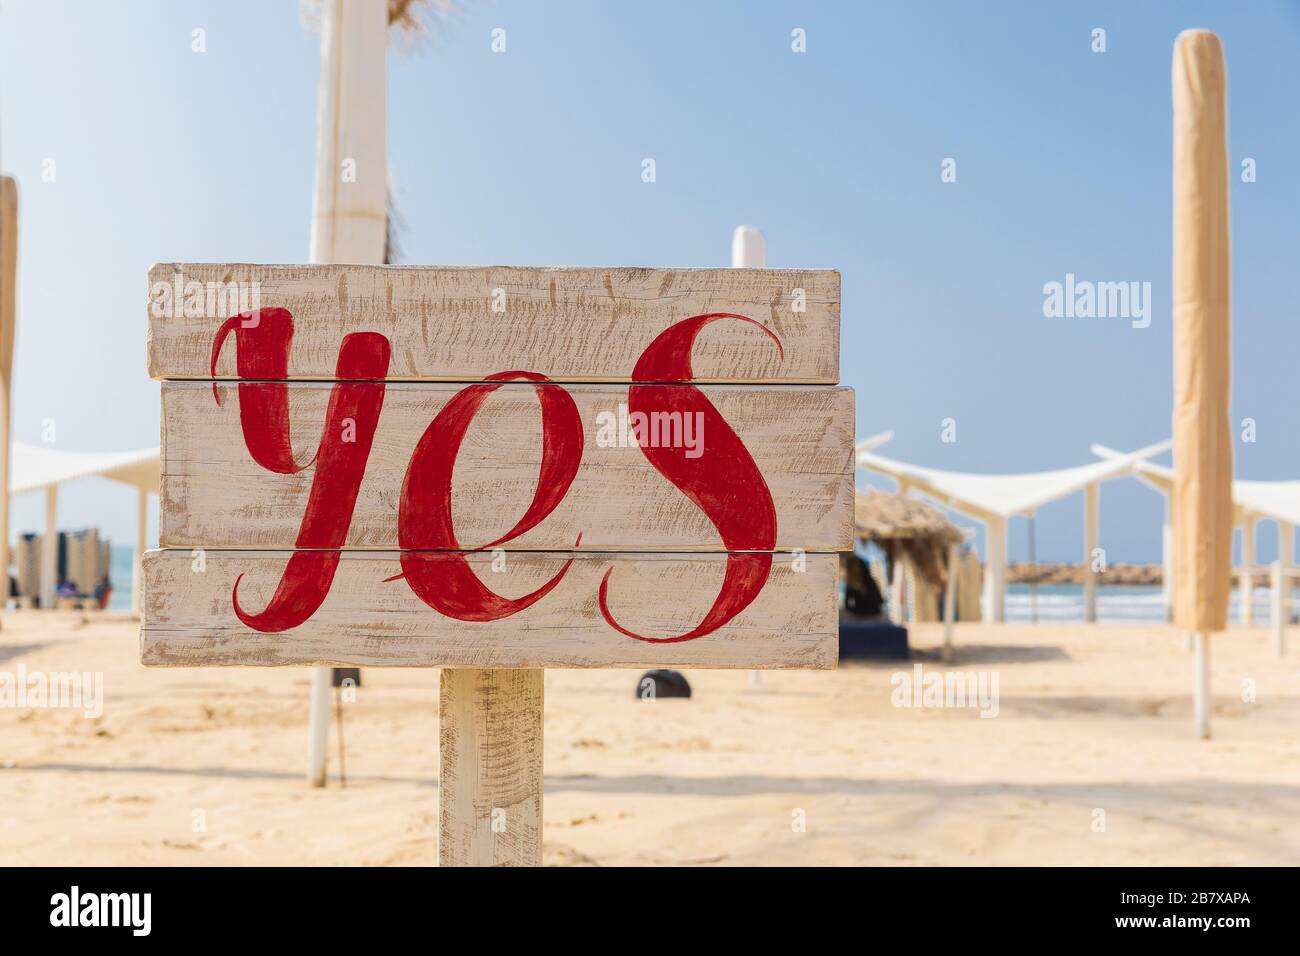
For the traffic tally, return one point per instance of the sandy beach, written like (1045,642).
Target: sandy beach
(206,766)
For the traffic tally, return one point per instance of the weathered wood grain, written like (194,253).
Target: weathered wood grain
(462,324)
(792,623)
(214,495)
(490,766)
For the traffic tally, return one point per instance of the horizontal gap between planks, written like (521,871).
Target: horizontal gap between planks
(724,382)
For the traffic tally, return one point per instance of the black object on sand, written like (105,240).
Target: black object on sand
(340,674)
(662,683)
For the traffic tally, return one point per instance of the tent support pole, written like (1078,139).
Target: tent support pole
(950,599)
(1279,592)
(1247,571)
(995,570)
(137,573)
(1090,525)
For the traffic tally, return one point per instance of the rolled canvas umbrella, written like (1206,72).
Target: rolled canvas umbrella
(348,211)
(8,312)
(1202,489)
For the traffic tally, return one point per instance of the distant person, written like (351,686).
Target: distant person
(67,589)
(103,591)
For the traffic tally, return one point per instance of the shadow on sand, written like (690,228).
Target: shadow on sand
(967,654)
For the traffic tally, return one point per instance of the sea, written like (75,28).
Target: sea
(1116,604)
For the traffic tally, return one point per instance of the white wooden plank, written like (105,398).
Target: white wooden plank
(801,439)
(490,766)
(189,619)
(462,324)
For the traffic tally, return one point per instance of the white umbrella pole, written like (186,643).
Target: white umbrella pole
(348,214)
(1201,642)
(1090,528)
(318,738)
(748,251)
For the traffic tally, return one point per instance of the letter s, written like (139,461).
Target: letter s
(724,482)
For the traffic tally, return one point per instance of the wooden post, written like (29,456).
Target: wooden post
(1201,702)
(490,767)
(950,599)
(1090,526)
(1281,585)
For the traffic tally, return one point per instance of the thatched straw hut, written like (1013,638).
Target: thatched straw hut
(907,529)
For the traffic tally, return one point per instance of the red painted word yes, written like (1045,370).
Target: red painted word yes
(726,486)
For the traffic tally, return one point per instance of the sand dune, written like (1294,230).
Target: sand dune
(206,766)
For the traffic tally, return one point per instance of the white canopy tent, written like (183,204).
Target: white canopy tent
(993,499)
(33,467)
(1251,501)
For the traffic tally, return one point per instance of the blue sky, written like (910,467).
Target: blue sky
(534,157)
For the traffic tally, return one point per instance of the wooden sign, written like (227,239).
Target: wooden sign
(449,324)
(523,516)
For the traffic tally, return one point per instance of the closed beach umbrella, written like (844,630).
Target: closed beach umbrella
(348,212)
(349,220)
(1202,491)
(8,312)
